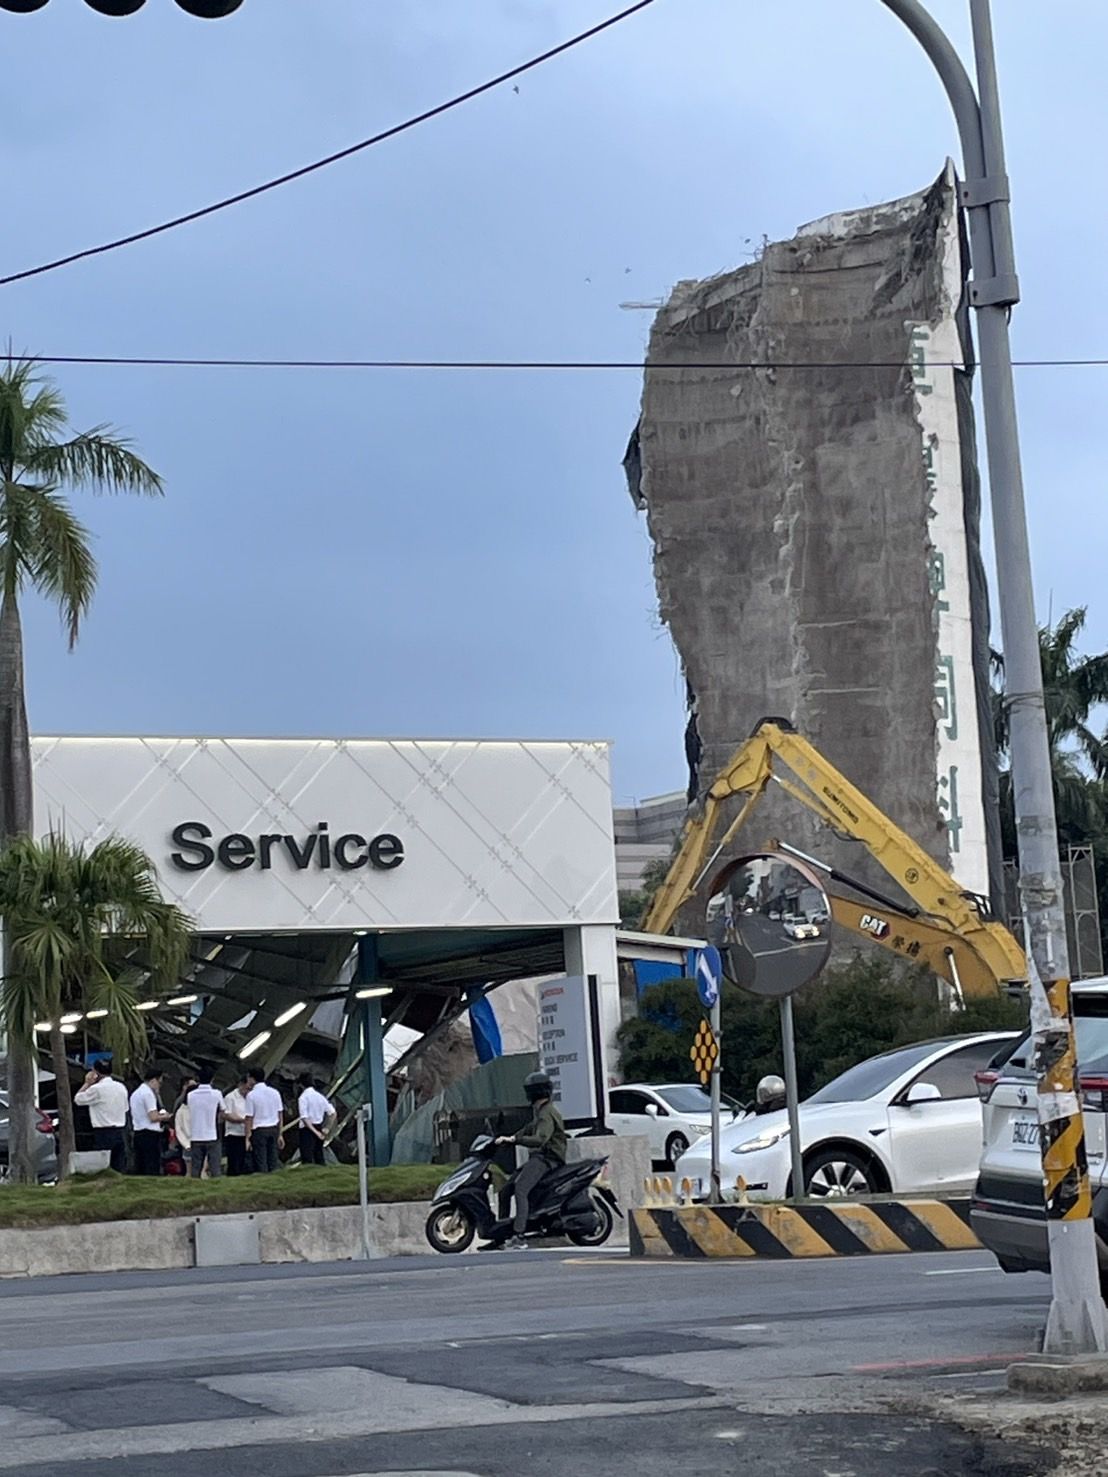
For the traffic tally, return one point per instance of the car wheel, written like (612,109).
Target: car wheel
(449,1228)
(676,1145)
(833,1174)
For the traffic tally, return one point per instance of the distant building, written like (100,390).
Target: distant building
(646,833)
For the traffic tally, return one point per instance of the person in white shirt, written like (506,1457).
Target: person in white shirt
(182,1123)
(317,1118)
(147,1118)
(106,1099)
(263,1121)
(205,1107)
(234,1129)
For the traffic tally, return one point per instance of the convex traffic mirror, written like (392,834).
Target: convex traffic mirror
(770,919)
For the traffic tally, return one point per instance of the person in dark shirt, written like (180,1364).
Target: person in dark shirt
(545,1137)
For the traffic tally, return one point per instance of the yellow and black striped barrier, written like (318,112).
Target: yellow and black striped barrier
(847,1227)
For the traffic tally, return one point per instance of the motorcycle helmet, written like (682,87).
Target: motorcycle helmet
(770,1090)
(538,1086)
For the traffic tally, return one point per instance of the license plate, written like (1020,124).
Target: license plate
(1025,1133)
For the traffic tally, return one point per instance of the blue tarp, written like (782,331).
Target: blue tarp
(653,971)
(485,1030)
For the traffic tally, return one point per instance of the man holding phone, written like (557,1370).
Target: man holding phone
(105,1097)
(147,1119)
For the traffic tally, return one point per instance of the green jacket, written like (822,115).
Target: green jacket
(545,1134)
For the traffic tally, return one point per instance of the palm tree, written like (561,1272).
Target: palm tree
(76,922)
(43,547)
(1073,685)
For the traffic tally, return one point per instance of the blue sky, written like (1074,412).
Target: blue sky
(431,553)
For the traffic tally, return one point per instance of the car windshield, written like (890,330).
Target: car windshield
(873,1076)
(688,1099)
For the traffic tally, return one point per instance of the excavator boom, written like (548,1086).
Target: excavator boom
(949,932)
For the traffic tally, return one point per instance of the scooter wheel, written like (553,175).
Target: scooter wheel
(601,1231)
(450,1228)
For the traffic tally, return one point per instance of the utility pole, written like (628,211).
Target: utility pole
(1077,1322)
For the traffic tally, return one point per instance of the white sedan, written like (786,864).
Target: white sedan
(906,1121)
(671,1116)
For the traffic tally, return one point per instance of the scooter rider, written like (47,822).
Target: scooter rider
(545,1136)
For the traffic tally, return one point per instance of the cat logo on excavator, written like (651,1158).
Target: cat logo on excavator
(872,924)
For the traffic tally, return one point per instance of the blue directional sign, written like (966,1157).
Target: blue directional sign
(709,972)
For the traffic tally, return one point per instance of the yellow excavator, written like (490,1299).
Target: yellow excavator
(943,927)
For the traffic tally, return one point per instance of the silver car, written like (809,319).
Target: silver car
(1007,1210)
(45,1146)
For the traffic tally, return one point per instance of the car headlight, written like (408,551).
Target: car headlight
(764,1140)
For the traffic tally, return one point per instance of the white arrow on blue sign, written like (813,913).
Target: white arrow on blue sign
(709,971)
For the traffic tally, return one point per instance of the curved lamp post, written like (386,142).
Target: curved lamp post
(1077,1313)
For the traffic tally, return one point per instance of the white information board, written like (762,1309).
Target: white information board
(565,1045)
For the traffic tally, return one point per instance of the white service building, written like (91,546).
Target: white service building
(441,866)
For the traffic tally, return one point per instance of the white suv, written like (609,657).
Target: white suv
(1007,1210)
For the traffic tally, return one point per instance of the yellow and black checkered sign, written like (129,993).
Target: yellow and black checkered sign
(704,1052)
(846,1227)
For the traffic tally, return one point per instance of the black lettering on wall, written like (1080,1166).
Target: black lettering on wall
(342,851)
(190,836)
(386,852)
(236,852)
(301,855)
(324,844)
(265,846)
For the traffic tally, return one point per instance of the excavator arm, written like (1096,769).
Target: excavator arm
(946,927)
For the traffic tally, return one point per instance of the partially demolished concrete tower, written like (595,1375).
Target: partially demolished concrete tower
(815,520)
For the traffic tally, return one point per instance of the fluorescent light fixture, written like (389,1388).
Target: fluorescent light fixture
(148,1005)
(44,1026)
(72,1018)
(70,1030)
(290,1014)
(360,933)
(375,992)
(183,1000)
(96,1015)
(252,1045)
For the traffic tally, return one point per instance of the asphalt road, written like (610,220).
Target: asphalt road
(543,1363)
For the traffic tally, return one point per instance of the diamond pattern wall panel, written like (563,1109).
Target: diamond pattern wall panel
(494,833)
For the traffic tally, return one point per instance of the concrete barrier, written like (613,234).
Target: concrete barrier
(848,1227)
(328,1234)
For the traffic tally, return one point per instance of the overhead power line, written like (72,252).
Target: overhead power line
(306,169)
(171,362)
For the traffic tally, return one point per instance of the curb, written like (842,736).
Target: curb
(846,1227)
(1058,1374)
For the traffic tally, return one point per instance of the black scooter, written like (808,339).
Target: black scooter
(568,1202)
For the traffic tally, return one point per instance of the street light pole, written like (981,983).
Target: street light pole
(1076,1323)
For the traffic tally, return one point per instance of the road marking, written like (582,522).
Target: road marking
(960,1271)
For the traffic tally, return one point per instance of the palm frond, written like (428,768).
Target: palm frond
(65,569)
(31,411)
(73,916)
(100,460)
(123,1030)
